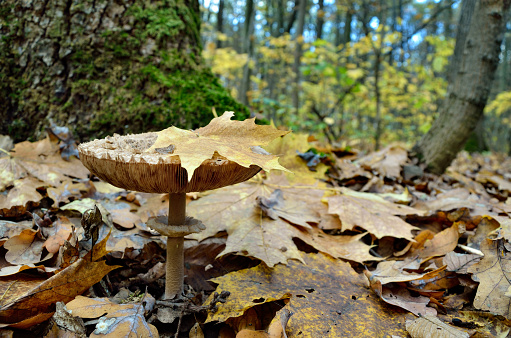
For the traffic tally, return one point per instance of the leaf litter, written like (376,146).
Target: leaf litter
(436,247)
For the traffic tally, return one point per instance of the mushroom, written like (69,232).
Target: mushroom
(177,161)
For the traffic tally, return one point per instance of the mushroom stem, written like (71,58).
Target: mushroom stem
(175,253)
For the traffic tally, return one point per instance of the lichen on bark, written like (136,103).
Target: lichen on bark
(105,66)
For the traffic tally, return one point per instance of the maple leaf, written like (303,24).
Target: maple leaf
(372,213)
(328,299)
(121,320)
(237,141)
(240,210)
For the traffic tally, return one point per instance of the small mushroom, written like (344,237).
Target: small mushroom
(177,161)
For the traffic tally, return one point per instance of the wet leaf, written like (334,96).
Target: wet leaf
(234,140)
(329,298)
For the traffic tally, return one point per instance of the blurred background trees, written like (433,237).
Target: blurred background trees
(357,72)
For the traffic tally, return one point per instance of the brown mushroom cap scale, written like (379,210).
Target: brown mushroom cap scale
(120,161)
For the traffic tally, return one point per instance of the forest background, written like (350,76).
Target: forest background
(360,73)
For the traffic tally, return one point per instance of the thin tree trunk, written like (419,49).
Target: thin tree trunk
(469,87)
(280,17)
(347,26)
(248,47)
(298,53)
(293,16)
(321,19)
(377,73)
(220,22)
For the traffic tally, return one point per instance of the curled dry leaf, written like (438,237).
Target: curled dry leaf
(22,297)
(62,232)
(121,320)
(432,327)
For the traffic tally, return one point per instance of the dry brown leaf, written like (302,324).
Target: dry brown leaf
(492,272)
(63,192)
(394,271)
(449,200)
(372,213)
(328,299)
(401,297)
(460,262)
(387,162)
(234,140)
(41,160)
(234,209)
(21,298)
(25,248)
(121,320)
(345,247)
(23,192)
(441,244)
(485,176)
(432,327)
(62,230)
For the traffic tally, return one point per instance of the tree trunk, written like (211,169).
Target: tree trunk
(468,88)
(104,67)
(298,53)
(248,48)
(220,23)
(320,20)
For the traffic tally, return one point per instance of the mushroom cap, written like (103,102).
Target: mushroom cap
(122,162)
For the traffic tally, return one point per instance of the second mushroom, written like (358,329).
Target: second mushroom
(177,161)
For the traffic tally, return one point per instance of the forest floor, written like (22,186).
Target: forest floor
(365,246)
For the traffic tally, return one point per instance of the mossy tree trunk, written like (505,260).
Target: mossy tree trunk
(104,66)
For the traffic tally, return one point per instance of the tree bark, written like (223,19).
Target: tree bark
(298,53)
(103,67)
(468,88)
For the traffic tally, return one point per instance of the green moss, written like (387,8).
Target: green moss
(117,88)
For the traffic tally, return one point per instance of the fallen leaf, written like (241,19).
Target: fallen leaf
(492,273)
(387,162)
(22,298)
(441,244)
(121,320)
(285,147)
(23,193)
(460,262)
(24,248)
(372,213)
(234,140)
(234,209)
(62,232)
(329,298)
(432,327)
